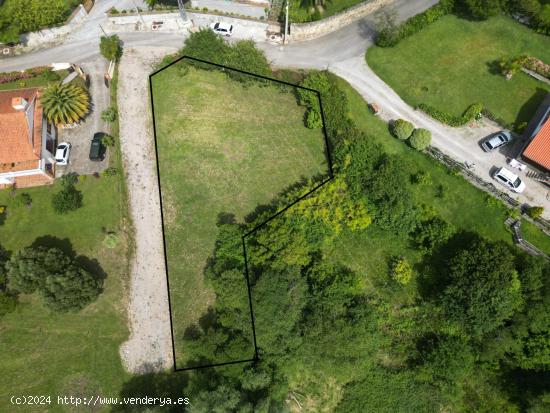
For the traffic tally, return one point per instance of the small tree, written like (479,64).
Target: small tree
(534,211)
(68,199)
(386,26)
(110,47)
(402,129)
(109,114)
(420,139)
(70,289)
(401,270)
(65,104)
(432,233)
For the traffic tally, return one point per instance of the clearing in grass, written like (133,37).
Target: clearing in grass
(223,148)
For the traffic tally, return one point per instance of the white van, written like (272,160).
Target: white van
(509,180)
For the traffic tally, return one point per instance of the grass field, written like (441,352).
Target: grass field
(463,205)
(56,354)
(535,236)
(450,65)
(222,148)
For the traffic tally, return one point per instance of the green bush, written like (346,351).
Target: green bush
(109,114)
(420,139)
(534,211)
(390,37)
(24,199)
(68,199)
(111,240)
(401,270)
(472,112)
(402,129)
(112,171)
(108,140)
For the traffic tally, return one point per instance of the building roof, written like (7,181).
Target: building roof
(20,131)
(538,149)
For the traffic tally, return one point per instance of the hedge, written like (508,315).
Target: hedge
(389,38)
(471,113)
(26,74)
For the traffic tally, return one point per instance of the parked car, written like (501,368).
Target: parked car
(509,180)
(223,29)
(496,140)
(97,150)
(62,153)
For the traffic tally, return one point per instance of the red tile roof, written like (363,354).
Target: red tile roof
(538,149)
(15,145)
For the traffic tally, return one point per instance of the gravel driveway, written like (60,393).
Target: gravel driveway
(149,347)
(81,136)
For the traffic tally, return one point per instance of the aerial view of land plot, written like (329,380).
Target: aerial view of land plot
(223,148)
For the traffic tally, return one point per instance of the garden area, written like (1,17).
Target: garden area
(454,63)
(223,148)
(51,352)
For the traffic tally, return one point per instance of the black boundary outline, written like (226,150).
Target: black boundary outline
(256,357)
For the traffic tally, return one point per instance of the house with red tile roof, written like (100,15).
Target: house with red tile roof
(27,140)
(537,136)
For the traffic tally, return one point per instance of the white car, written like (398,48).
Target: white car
(509,180)
(223,29)
(62,153)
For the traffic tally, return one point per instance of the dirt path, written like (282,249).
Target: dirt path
(149,347)
(461,144)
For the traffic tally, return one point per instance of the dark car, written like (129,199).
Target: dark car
(97,150)
(496,141)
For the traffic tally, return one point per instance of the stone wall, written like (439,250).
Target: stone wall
(313,30)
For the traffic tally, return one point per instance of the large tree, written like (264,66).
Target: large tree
(484,289)
(62,283)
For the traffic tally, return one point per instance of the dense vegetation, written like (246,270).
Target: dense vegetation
(371,295)
(21,16)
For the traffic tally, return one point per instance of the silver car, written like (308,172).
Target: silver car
(496,140)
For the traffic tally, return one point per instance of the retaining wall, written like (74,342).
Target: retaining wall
(313,30)
(54,34)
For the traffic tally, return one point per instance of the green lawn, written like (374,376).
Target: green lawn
(222,148)
(535,236)
(463,205)
(36,81)
(48,353)
(449,65)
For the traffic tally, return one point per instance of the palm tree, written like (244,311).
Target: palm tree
(65,104)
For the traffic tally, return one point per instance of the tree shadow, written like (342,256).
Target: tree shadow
(494,67)
(160,385)
(50,241)
(91,265)
(529,108)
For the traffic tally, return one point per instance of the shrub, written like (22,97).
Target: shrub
(401,270)
(68,199)
(110,172)
(422,178)
(402,129)
(108,140)
(472,112)
(313,119)
(25,199)
(534,211)
(420,139)
(111,240)
(389,35)
(109,114)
